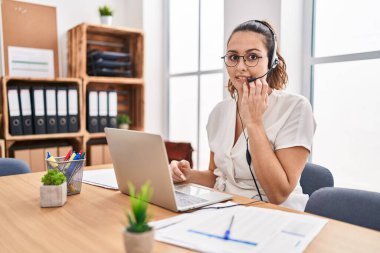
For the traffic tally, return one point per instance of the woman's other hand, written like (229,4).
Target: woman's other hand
(180,171)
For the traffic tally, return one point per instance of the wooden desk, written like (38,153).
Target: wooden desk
(93,222)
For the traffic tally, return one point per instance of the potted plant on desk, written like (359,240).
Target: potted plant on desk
(138,235)
(123,121)
(53,192)
(105,15)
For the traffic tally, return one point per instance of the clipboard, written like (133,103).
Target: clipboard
(21,21)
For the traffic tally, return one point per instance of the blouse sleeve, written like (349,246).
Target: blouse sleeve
(298,129)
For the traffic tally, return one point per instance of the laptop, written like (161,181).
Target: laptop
(139,157)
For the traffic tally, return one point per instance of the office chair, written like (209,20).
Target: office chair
(315,177)
(179,150)
(357,207)
(12,166)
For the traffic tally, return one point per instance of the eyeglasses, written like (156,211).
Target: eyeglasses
(249,59)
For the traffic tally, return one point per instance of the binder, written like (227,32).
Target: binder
(51,110)
(26,110)
(103,110)
(73,110)
(62,110)
(14,112)
(38,109)
(92,112)
(112,109)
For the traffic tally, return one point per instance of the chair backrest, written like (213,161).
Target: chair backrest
(315,177)
(349,205)
(179,151)
(12,166)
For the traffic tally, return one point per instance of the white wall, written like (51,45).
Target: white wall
(127,13)
(155,93)
(292,43)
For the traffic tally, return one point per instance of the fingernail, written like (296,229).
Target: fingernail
(183,177)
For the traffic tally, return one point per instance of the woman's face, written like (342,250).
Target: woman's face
(251,45)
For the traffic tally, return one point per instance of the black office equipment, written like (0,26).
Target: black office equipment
(92,112)
(26,110)
(103,110)
(38,109)
(73,110)
(62,110)
(112,109)
(108,63)
(51,110)
(14,112)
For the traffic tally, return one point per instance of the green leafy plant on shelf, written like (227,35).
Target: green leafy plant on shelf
(105,11)
(53,177)
(123,119)
(138,218)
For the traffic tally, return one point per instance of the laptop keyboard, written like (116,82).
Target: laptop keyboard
(184,199)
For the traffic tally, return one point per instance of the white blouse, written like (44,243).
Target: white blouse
(288,122)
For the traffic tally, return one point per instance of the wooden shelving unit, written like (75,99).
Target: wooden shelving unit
(86,37)
(56,82)
(130,90)
(32,148)
(2,148)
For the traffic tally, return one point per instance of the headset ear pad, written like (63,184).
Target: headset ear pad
(275,62)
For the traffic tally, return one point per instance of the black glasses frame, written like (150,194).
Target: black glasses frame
(244,60)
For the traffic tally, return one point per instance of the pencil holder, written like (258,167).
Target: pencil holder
(73,171)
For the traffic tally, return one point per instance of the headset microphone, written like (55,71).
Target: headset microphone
(251,79)
(274,64)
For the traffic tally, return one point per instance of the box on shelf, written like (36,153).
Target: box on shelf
(96,50)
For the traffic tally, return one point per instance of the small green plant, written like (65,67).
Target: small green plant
(138,218)
(123,119)
(105,11)
(53,177)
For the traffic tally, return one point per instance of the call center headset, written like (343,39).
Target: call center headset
(272,65)
(274,60)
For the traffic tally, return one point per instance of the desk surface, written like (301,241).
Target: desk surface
(93,221)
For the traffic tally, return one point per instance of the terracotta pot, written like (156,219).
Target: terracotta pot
(124,126)
(106,20)
(53,195)
(139,242)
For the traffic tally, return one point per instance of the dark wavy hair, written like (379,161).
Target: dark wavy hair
(277,78)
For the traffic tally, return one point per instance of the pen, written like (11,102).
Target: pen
(70,171)
(68,155)
(83,155)
(51,160)
(71,158)
(228,231)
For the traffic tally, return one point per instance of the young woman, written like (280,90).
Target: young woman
(261,137)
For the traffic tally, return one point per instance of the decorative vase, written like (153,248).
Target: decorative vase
(106,20)
(53,195)
(139,242)
(124,126)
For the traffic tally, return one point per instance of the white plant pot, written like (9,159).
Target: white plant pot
(53,195)
(124,126)
(139,242)
(106,20)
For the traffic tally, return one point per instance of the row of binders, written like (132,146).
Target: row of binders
(108,63)
(101,110)
(43,110)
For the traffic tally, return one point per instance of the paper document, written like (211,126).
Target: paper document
(30,62)
(251,229)
(104,178)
